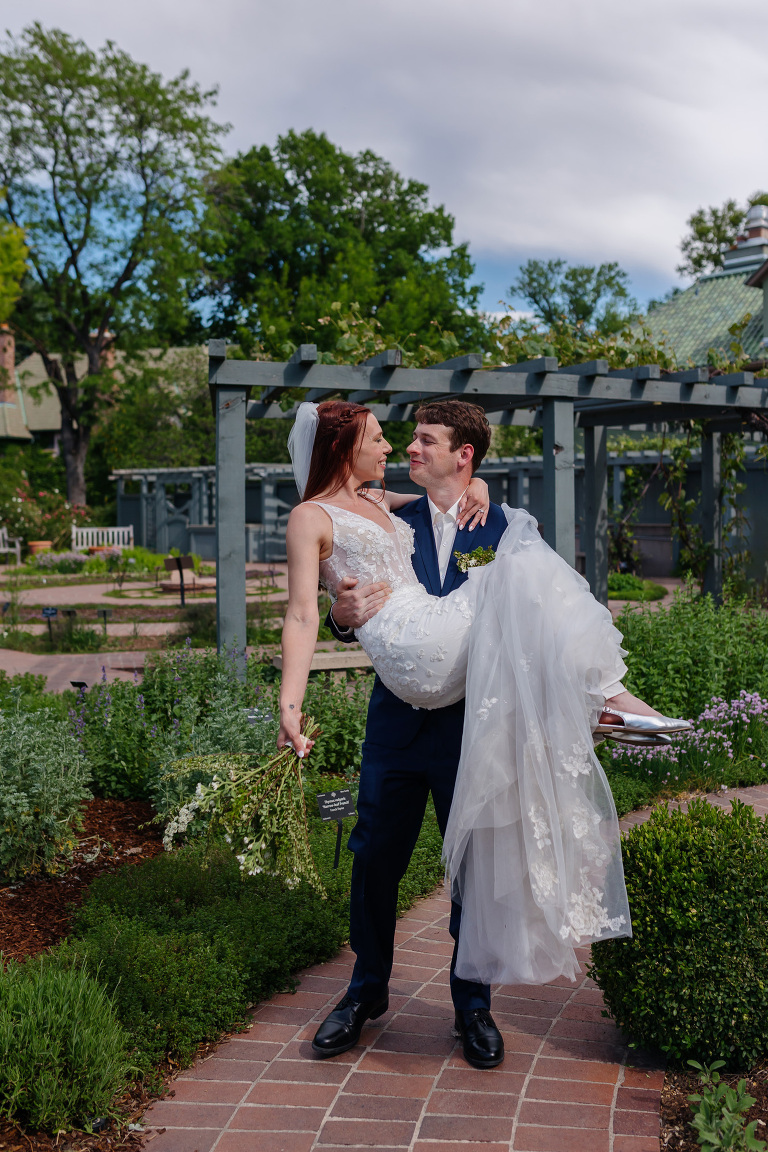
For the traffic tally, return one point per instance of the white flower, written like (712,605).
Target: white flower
(540,827)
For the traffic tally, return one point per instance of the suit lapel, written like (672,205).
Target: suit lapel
(426,555)
(464,542)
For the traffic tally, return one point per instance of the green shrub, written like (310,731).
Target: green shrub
(42,788)
(188,703)
(185,943)
(62,1050)
(683,655)
(693,979)
(626,586)
(26,691)
(170,989)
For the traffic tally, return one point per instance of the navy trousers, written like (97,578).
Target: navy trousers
(394,787)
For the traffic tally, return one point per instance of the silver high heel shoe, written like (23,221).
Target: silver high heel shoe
(639,739)
(632,722)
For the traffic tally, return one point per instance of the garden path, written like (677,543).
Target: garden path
(568,1083)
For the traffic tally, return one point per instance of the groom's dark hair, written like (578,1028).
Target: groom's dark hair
(467,422)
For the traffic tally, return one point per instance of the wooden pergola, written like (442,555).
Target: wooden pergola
(538,392)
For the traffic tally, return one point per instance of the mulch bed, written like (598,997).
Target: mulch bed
(35,914)
(677,1135)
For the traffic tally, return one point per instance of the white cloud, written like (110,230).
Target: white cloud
(589,131)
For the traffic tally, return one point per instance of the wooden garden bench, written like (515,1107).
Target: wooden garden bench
(10,544)
(84,538)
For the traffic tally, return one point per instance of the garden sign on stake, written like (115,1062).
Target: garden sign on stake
(335,806)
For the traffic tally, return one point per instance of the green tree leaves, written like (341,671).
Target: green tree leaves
(305,224)
(102,162)
(13,264)
(577,295)
(712,230)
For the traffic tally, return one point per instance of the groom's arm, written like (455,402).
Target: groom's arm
(354,605)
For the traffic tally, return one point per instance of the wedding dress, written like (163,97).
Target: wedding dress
(532,847)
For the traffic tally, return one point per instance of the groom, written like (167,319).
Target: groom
(410,752)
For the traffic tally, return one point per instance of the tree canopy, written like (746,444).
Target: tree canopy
(13,265)
(102,162)
(711,231)
(573,296)
(304,224)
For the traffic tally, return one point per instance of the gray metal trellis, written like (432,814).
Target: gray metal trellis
(538,392)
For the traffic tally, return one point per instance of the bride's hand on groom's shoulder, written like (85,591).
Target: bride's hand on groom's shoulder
(474,504)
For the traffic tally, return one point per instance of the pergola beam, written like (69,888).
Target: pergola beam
(537,392)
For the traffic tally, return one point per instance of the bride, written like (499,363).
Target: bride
(532,845)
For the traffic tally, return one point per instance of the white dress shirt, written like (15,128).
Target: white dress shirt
(444,529)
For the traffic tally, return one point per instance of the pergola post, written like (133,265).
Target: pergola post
(712,511)
(595,541)
(161,516)
(229,404)
(559,488)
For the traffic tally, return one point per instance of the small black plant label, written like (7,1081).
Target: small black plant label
(336,805)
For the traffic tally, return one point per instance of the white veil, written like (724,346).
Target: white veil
(301,442)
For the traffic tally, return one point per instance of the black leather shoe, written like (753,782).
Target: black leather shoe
(341,1028)
(480,1038)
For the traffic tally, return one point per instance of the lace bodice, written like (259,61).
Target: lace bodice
(365,550)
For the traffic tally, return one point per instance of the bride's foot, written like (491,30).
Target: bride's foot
(627,714)
(626,702)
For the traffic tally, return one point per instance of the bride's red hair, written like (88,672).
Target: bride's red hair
(337,441)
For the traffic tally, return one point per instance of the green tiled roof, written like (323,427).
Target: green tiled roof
(699,318)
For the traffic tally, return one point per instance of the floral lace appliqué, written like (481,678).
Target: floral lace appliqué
(541,829)
(485,707)
(587,918)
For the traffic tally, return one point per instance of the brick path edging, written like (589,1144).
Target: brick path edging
(568,1082)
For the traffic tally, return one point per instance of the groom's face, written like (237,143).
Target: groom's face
(432,458)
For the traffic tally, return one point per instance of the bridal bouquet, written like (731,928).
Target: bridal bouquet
(259,807)
(475,559)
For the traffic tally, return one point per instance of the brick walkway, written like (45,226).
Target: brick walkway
(568,1082)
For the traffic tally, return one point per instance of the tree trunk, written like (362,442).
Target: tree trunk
(74,449)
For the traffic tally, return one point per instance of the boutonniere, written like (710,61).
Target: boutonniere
(475,559)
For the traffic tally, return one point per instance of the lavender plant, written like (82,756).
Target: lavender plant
(43,777)
(727,746)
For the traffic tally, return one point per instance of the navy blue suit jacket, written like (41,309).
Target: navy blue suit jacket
(391,722)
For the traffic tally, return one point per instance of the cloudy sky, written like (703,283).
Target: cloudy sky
(584,130)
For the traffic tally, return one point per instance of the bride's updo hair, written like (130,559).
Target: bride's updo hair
(337,441)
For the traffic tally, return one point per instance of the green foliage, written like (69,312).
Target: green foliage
(185,942)
(37,514)
(13,265)
(170,989)
(42,787)
(187,704)
(258,805)
(62,1051)
(305,224)
(625,586)
(693,978)
(340,708)
(719,1117)
(682,655)
(726,747)
(514,341)
(26,691)
(102,161)
(712,231)
(577,296)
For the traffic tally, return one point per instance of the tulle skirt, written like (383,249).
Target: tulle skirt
(532,848)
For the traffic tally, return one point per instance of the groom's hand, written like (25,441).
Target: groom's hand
(356,605)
